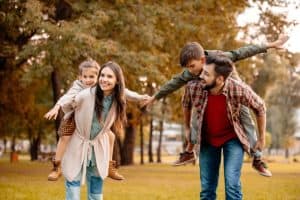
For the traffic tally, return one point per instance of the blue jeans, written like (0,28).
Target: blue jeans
(94,186)
(210,159)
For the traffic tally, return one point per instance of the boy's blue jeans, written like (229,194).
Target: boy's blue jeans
(209,163)
(94,186)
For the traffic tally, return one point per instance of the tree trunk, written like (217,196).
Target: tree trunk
(13,153)
(142,140)
(34,147)
(5,142)
(56,93)
(35,142)
(13,144)
(150,153)
(159,141)
(129,141)
(161,131)
(287,153)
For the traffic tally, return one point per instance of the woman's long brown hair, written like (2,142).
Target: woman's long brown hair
(118,97)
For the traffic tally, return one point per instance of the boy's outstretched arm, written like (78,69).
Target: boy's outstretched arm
(252,50)
(244,52)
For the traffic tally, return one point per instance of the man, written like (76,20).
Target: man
(217,101)
(192,58)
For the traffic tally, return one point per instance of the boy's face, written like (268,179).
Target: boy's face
(195,66)
(88,76)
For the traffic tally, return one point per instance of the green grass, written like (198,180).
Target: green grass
(27,180)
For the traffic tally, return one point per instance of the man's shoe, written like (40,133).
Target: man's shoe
(113,173)
(55,172)
(261,167)
(185,158)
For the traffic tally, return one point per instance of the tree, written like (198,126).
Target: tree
(283,101)
(45,40)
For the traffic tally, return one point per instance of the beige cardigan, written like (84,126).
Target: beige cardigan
(79,148)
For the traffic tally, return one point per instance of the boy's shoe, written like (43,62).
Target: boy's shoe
(55,172)
(185,158)
(261,167)
(113,173)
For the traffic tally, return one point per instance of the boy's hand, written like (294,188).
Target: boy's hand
(144,100)
(148,102)
(52,114)
(278,44)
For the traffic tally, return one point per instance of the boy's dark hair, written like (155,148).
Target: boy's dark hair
(191,51)
(88,63)
(223,65)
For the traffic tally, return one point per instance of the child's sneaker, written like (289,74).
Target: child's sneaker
(56,171)
(261,167)
(185,158)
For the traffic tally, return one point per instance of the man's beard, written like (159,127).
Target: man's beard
(210,86)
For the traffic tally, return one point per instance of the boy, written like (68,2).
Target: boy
(193,66)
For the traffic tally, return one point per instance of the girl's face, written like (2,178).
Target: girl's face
(88,76)
(107,81)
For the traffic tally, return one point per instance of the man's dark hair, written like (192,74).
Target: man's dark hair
(223,65)
(191,51)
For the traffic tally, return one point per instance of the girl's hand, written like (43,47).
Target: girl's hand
(52,114)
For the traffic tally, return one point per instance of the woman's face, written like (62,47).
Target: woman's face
(107,81)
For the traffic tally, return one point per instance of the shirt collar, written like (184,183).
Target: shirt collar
(225,89)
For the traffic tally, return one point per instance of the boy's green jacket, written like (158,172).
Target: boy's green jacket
(185,76)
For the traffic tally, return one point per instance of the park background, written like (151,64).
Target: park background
(43,41)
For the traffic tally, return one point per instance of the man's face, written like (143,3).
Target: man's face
(208,76)
(195,66)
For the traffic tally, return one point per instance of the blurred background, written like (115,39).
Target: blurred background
(42,43)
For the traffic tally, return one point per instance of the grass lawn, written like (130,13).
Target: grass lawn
(27,180)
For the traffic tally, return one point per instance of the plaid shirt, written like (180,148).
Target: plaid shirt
(237,94)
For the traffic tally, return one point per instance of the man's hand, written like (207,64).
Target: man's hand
(260,144)
(52,114)
(278,44)
(147,102)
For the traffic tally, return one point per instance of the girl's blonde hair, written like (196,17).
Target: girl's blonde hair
(89,63)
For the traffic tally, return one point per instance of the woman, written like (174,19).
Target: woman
(97,111)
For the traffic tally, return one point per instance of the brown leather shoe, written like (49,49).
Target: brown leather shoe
(113,173)
(55,172)
(185,158)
